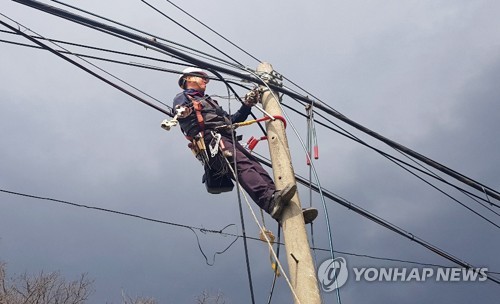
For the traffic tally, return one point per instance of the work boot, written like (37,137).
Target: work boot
(309,214)
(280,199)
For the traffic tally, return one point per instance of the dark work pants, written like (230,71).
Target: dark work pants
(252,177)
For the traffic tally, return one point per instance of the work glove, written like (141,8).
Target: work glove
(253,97)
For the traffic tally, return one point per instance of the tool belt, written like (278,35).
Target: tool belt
(217,174)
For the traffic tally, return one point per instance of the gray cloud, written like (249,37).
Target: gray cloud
(424,74)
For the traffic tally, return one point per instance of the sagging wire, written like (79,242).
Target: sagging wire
(132,64)
(330,238)
(100,48)
(66,51)
(402,149)
(238,192)
(327,218)
(191,32)
(324,107)
(192,228)
(173,45)
(204,230)
(79,65)
(382,222)
(262,232)
(213,31)
(398,162)
(228,86)
(217,252)
(81,56)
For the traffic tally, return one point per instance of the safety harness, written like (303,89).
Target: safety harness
(216,181)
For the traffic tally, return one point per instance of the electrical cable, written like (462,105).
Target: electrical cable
(66,51)
(327,218)
(190,50)
(217,252)
(238,193)
(191,32)
(320,105)
(153,48)
(429,172)
(86,69)
(191,228)
(97,48)
(212,30)
(488,191)
(310,135)
(292,289)
(205,230)
(133,64)
(380,221)
(228,86)
(325,209)
(400,163)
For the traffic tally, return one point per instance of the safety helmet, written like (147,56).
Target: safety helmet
(191,71)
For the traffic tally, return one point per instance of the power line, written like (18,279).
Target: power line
(206,230)
(191,32)
(400,163)
(189,49)
(390,157)
(173,71)
(380,221)
(320,105)
(213,31)
(144,66)
(448,171)
(132,64)
(426,172)
(79,55)
(192,228)
(86,69)
(96,48)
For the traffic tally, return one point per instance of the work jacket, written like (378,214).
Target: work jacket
(213,115)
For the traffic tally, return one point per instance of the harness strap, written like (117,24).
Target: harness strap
(197,108)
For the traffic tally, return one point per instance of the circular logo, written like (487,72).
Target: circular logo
(332,274)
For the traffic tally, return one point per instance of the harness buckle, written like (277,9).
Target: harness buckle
(214,144)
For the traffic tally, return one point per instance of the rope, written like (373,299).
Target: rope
(275,276)
(245,245)
(265,236)
(329,232)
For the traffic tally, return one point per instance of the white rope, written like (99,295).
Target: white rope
(267,239)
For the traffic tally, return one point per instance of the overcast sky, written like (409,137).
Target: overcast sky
(423,73)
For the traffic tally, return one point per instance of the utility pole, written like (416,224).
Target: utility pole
(300,263)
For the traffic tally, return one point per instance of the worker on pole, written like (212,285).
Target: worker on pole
(208,128)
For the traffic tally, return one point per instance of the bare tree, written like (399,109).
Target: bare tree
(206,298)
(44,288)
(137,300)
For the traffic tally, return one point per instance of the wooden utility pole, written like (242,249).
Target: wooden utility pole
(300,263)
